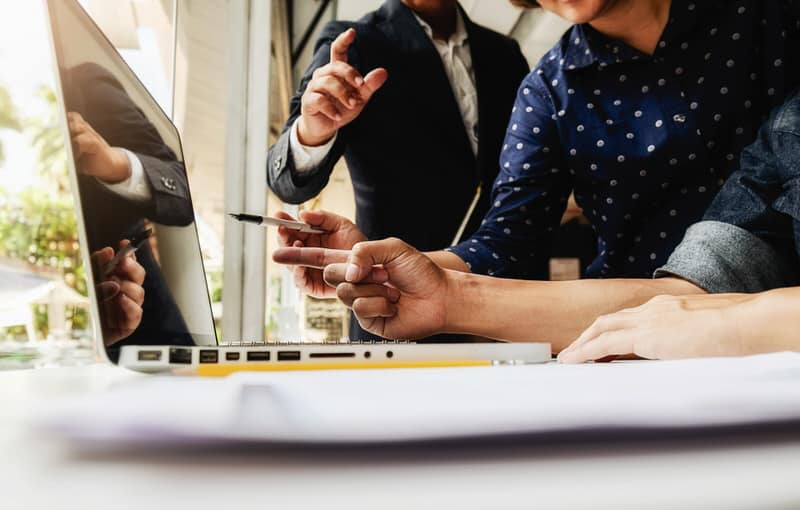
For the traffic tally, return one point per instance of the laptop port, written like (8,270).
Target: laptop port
(232,356)
(149,356)
(332,355)
(180,356)
(288,355)
(258,356)
(208,356)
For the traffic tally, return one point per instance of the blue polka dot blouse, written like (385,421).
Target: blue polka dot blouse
(644,141)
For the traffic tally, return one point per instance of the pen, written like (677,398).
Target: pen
(136,242)
(266,221)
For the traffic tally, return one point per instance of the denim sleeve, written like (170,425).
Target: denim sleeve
(719,257)
(767,166)
(529,195)
(746,241)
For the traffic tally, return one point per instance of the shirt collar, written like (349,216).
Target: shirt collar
(580,51)
(587,46)
(458,38)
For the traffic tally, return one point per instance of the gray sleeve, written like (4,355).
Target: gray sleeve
(285,181)
(720,257)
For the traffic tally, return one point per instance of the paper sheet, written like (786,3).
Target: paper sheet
(380,406)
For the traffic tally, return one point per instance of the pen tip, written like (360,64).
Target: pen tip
(234,216)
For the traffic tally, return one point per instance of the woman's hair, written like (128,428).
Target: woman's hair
(525,4)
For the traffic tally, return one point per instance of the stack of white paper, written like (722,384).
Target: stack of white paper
(433,404)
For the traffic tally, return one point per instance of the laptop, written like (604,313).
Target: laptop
(171,325)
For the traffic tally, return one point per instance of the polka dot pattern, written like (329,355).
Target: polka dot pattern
(644,141)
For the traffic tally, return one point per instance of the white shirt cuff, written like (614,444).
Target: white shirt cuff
(134,188)
(306,158)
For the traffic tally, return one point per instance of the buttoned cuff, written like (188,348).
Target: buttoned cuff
(307,158)
(135,187)
(720,257)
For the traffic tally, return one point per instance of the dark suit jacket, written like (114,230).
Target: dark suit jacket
(414,173)
(98,96)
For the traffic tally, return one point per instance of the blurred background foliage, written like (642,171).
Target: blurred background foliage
(8,116)
(37,224)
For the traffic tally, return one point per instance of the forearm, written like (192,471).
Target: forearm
(767,322)
(555,312)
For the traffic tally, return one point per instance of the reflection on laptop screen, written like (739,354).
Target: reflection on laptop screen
(139,194)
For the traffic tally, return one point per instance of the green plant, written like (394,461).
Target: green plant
(38,225)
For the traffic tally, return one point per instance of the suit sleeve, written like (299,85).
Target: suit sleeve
(122,124)
(282,177)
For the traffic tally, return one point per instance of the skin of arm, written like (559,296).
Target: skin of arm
(95,157)
(676,327)
(555,312)
(413,297)
(768,322)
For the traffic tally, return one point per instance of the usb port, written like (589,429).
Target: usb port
(258,356)
(209,356)
(232,356)
(149,355)
(288,355)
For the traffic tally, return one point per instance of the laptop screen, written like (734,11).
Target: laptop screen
(133,190)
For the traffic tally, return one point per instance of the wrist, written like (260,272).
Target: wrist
(766,322)
(122,167)
(462,303)
(306,137)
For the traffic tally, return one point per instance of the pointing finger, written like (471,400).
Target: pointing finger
(309,257)
(341,44)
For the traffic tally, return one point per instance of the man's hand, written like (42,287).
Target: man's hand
(343,235)
(120,294)
(94,156)
(411,303)
(666,327)
(336,94)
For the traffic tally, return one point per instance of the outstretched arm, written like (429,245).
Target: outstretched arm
(414,297)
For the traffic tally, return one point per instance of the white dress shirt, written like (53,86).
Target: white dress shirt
(457,62)
(135,187)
